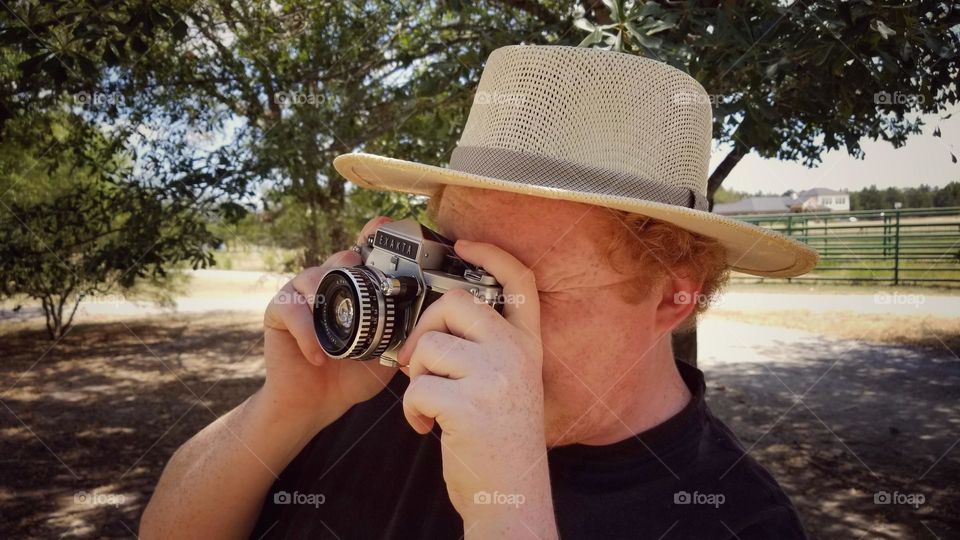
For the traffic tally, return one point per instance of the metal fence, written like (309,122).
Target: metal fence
(905,246)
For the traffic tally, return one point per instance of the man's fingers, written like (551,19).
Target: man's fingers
(289,311)
(440,354)
(306,282)
(458,313)
(427,399)
(521,302)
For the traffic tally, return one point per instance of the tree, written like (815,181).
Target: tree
(947,196)
(70,226)
(93,239)
(296,82)
(791,81)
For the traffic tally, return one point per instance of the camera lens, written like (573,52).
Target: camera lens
(351,316)
(342,305)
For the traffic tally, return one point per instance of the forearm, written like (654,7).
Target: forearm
(215,483)
(525,511)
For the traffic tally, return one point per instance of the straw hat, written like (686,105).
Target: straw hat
(597,127)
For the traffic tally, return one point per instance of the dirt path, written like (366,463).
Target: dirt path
(840,422)
(88,424)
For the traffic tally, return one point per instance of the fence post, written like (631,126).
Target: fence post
(896,250)
(886,233)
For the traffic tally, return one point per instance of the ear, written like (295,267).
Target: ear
(679,298)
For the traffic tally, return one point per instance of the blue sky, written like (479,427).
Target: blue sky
(925,159)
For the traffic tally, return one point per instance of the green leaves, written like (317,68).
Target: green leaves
(885,31)
(634,27)
(596,36)
(792,80)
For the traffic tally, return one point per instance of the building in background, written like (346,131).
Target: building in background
(810,200)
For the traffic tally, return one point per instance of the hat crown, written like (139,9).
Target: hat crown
(596,108)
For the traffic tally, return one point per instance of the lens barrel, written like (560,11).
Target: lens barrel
(351,315)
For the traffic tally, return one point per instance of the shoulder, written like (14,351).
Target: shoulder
(756,504)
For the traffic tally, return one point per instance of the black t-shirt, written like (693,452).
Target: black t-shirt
(369,475)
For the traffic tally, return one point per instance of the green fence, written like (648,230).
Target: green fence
(906,246)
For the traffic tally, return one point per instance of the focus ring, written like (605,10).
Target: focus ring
(384,319)
(367,312)
(389,322)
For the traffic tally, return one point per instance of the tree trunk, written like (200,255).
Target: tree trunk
(685,347)
(723,169)
(337,235)
(316,206)
(685,344)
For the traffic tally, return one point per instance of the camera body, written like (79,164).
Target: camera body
(367,311)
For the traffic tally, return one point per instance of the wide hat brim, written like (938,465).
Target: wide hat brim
(750,249)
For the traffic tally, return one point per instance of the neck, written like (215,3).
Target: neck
(656,393)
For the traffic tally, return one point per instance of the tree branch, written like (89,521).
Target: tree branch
(536,9)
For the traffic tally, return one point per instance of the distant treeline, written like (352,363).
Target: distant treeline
(872,198)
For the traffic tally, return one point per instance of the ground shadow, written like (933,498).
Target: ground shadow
(841,422)
(89,423)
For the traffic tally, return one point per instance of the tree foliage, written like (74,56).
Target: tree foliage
(221,107)
(70,227)
(792,80)
(295,83)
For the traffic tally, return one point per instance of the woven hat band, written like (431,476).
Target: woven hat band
(547,171)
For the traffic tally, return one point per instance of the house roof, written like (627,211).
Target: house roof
(818,191)
(775,205)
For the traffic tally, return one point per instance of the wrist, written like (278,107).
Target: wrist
(298,423)
(523,521)
(513,511)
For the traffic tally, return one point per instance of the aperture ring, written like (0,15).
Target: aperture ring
(367,311)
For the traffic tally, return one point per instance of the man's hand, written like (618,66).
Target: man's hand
(301,379)
(233,462)
(479,375)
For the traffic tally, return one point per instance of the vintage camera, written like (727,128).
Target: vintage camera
(367,311)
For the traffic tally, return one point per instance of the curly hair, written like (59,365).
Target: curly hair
(647,247)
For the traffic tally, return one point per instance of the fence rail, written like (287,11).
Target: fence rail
(903,246)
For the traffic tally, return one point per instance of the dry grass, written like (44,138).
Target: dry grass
(929,331)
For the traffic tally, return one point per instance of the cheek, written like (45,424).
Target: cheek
(590,342)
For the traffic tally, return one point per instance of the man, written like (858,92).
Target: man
(579,183)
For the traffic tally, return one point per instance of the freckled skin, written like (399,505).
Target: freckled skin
(575,363)
(607,371)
